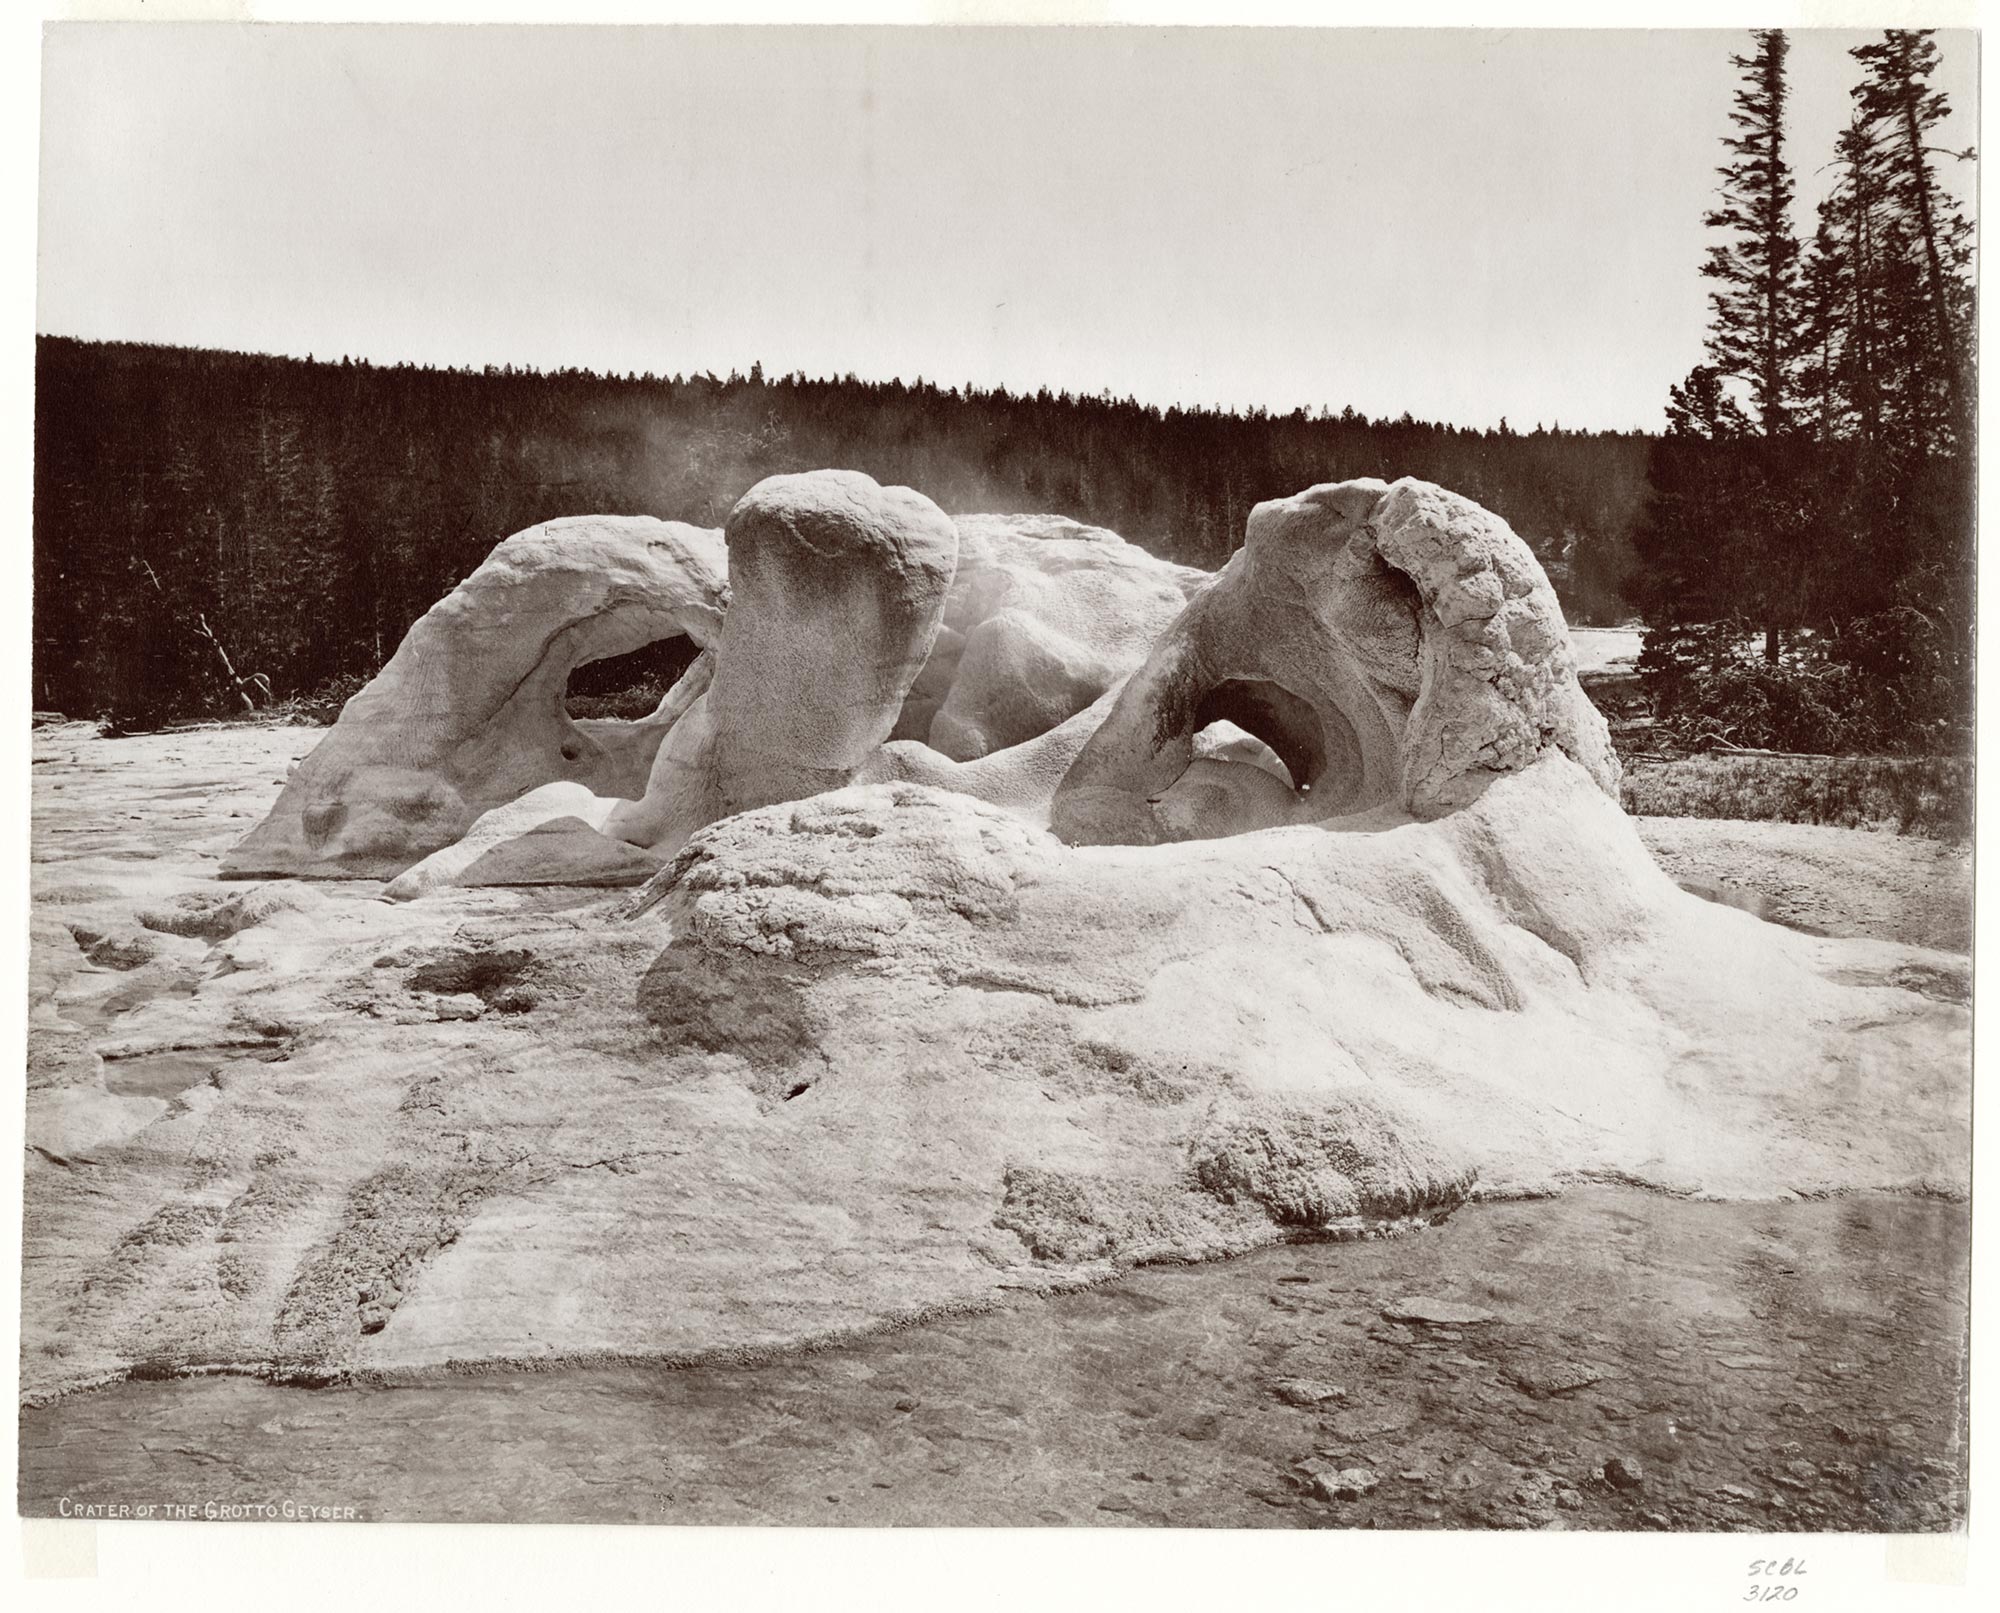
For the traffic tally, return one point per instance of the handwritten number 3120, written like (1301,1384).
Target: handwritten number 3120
(1768,1566)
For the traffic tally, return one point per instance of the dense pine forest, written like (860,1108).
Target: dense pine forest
(220,529)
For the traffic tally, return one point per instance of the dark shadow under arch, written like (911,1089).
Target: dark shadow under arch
(1320,750)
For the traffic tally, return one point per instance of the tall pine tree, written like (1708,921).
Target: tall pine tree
(1754,329)
(1897,99)
(1757,332)
(1843,289)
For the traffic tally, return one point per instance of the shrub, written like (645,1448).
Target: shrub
(322,707)
(1893,683)
(628,704)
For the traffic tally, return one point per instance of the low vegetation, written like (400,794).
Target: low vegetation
(1925,795)
(638,700)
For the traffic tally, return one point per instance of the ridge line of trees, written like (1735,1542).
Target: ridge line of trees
(307,512)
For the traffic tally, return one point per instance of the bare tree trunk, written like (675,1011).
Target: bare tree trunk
(1774,226)
(1864,313)
(239,684)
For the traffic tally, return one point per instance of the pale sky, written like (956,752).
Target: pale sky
(1461,224)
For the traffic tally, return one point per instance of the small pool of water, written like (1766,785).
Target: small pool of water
(99,998)
(165,1074)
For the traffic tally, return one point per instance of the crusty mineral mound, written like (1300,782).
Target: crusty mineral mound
(1394,648)
(468,714)
(837,590)
(1513,989)
(1046,618)
(1071,975)
(890,1048)
(1498,676)
(1045,615)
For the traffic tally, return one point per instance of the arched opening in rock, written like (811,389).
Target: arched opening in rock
(1272,714)
(629,687)
(1255,722)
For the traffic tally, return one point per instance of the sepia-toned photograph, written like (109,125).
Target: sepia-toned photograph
(1040,777)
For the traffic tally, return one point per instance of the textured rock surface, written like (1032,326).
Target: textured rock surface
(1370,648)
(1498,684)
(1022,779)
(468,714)
(215,915)
(892,1050)
(1533,926)
(1045,615)
(70,1109)
(837,590)
(1043,612)
(550,836)
(839,587)
(1397,648)
(1016,678)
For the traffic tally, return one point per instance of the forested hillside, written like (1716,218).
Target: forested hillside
(304,514)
